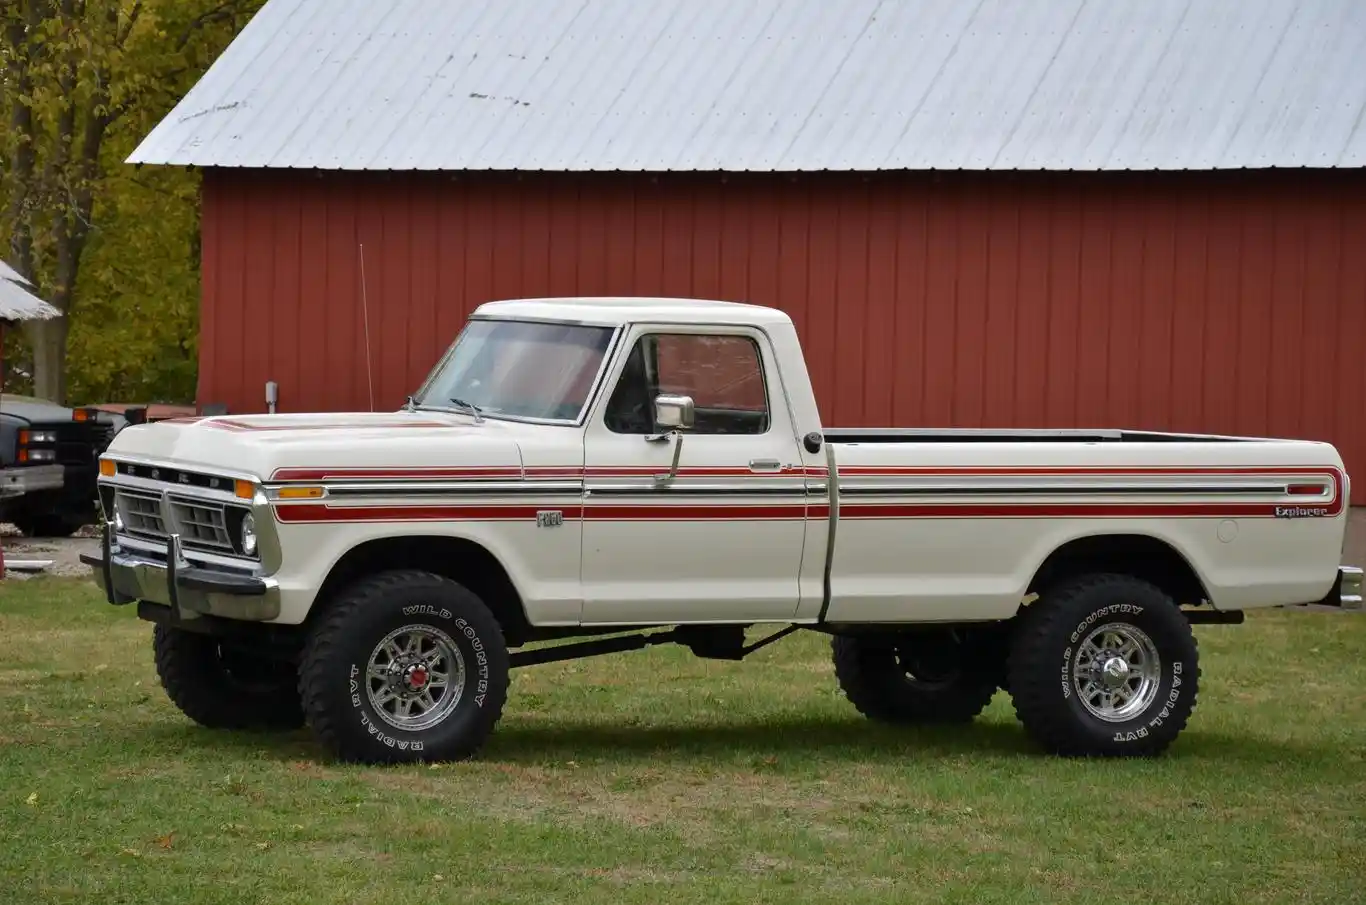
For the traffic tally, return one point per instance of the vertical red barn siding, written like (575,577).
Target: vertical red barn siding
(1224,302)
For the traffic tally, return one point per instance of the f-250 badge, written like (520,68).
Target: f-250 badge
(1301,511)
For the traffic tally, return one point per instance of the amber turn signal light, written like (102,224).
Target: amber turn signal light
(300,493)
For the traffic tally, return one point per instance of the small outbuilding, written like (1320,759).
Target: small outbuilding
(18,303)
(1135,213)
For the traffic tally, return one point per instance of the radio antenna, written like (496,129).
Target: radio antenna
(365,311)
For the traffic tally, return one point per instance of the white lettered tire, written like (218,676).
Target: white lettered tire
(404,666)
(1104,665)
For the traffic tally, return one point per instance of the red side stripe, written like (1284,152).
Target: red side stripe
(721,513)
(1046,510)
(301,513)
(288,474)
(427,473)
(296,513)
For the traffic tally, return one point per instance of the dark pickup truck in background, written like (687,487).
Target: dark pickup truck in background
(49,461)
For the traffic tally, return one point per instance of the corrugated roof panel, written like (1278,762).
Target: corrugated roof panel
(780,85)
(16,302)
(1089,94)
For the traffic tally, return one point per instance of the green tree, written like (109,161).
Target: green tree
(113,248)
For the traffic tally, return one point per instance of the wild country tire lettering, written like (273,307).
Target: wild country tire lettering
(481,657)
(426,609)
(1128,609)
(370,727)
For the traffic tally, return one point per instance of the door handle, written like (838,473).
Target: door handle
(765,465)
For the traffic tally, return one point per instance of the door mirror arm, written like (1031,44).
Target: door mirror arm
(676,414)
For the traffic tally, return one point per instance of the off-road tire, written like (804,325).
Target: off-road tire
(1046,686)
(334,673)
(222,688)
(882,683)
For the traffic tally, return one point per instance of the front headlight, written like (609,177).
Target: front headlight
(37,455)
(248,531)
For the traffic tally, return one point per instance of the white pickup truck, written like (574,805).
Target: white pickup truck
(584,467)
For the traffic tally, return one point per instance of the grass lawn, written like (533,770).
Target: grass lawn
(655,777)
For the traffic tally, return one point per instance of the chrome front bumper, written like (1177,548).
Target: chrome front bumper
(31,479)
(189,590)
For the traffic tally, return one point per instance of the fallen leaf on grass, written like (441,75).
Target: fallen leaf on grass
(32,799)
(263,845)
(165,841)
(132,853)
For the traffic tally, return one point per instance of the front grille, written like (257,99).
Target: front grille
(141,514)
(78,453)
(201,525)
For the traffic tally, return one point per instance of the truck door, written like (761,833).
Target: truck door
(718,538)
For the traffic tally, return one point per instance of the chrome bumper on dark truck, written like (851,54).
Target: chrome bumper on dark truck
(26,479)
(189,591)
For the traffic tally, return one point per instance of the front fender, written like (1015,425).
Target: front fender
(542,565)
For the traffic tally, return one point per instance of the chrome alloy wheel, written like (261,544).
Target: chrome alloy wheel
(415,677)
(1116,672)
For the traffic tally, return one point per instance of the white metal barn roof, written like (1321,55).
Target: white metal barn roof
(781,85)
(16,302)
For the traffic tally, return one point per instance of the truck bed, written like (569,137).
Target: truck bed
(1023,435)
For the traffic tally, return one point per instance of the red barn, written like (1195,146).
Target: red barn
(1007,214)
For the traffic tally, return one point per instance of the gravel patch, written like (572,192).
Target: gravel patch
(65,552)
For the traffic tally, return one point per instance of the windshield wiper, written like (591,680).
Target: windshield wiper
(473,409)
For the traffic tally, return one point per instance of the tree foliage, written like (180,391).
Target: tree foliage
(114,247)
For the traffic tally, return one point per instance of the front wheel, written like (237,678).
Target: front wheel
(405,666)
(224,687)
(1104,665)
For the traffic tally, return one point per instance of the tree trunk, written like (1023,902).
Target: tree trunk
(22,152)
(48,339)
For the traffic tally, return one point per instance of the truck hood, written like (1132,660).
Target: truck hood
(263,445)
(32,409)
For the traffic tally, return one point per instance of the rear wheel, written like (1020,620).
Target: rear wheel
(224,687)
(1104,665)
(405,666)
(930,677)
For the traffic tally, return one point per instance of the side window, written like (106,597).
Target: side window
(723,375)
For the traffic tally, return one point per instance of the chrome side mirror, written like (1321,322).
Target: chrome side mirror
(673,415)
(673,412)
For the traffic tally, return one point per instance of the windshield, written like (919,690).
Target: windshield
(519,369)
